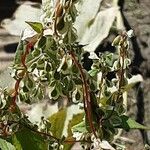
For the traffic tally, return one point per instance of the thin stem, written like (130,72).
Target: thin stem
(53,137)
(46,134)
(42,133)
(100,86)
(87,98)
(23,60)
(121,76)
(74,141)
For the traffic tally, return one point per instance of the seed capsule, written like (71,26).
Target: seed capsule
(59,10)
(116,41)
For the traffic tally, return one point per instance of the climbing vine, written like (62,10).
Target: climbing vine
(48,62)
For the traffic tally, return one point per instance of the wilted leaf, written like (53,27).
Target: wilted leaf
(87,10)
(99,29)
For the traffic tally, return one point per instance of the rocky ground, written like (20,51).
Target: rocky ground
(137,14)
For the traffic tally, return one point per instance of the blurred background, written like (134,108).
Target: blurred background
(135,14)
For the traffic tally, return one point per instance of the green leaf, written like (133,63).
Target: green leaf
(40,94)
(93,72)
(129,123)
(4,145)
(57,121)
(74,69)
(30,83)
(81,127)
(36,26)
(65,66)
(77,96)
(28,140)
(93,86)
(33,66)
(41,64)
(36,52)
(71,86)
(16,143)
(42,42)
(116,41)
(57,75)
(19,52)
(77,80)
(60,24)
(54,94)
(48,67)
(51,54)
(75,120)
(25,89)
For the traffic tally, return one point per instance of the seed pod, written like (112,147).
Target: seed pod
(116,41)
(59,10)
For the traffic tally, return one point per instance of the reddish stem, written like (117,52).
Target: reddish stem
(23,60)
(87,98)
